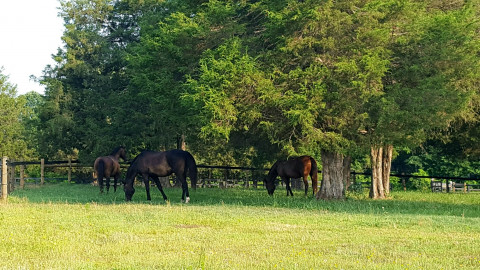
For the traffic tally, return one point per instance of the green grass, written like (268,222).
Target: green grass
(69,226)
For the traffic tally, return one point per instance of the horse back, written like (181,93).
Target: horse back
(304,165)
(181,161)
(295,167)
(152,163)
(110,167)
(163,163)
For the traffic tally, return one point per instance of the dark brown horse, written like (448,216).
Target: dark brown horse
(293,168)
(108,166)
(152,165)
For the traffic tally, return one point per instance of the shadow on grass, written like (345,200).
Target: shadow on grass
(412,203)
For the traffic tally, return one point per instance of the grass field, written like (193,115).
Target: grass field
(71,226)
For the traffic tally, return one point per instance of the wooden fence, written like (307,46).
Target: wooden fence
(209,176)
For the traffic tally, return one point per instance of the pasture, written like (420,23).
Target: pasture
(72,226)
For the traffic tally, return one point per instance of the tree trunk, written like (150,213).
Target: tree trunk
(181,142)
(332,177)
(387,165)
(376,188)
(347,162)
(381,159)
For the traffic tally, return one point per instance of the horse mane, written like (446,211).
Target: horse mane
(131,169)
(272,173)
(135,159)
(132,163)
(114,151)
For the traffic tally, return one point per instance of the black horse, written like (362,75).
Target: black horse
(159,164)
(107,166)
(293,168)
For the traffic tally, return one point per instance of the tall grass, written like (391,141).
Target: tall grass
(68,226)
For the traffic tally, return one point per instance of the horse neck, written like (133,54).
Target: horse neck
(116,156)
(131,173)
(272,174)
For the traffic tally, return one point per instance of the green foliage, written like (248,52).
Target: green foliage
(432,83)
(247,82)
(226,91)
(437,159)
(421,184)
(13,142)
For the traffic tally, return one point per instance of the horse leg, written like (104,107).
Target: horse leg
(287,184)
(184,189)
(115,179)
(147,186)
(107,182)
(305,183)
(314,184)
(159,185)
(100,183)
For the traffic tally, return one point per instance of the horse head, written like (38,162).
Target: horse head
(269,180)
(122,153)
(129,182)
(269,183)
(129,191)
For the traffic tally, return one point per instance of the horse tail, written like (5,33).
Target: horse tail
(314,175)
(100,171)
(192,170)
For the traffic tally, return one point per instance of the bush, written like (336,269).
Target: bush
(420,184)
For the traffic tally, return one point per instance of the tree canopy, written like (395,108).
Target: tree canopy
(249,82)
(13,110)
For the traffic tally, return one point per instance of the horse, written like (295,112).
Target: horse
(151,164)
(293,168)
(107,166)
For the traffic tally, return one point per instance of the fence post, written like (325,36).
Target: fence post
(69,170)
(42,171)
(4,179)
(22,176)
(209,178)
(247,181)
(226,178)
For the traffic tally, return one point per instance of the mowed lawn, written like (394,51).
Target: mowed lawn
(72,226)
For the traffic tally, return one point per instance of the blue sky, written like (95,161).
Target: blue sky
(30,32)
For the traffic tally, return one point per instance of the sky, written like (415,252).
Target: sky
(30,32)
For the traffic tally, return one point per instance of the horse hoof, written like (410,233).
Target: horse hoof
(186,200)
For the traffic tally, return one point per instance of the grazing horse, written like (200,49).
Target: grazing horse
(152,165)
(107,166)
(293,168)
